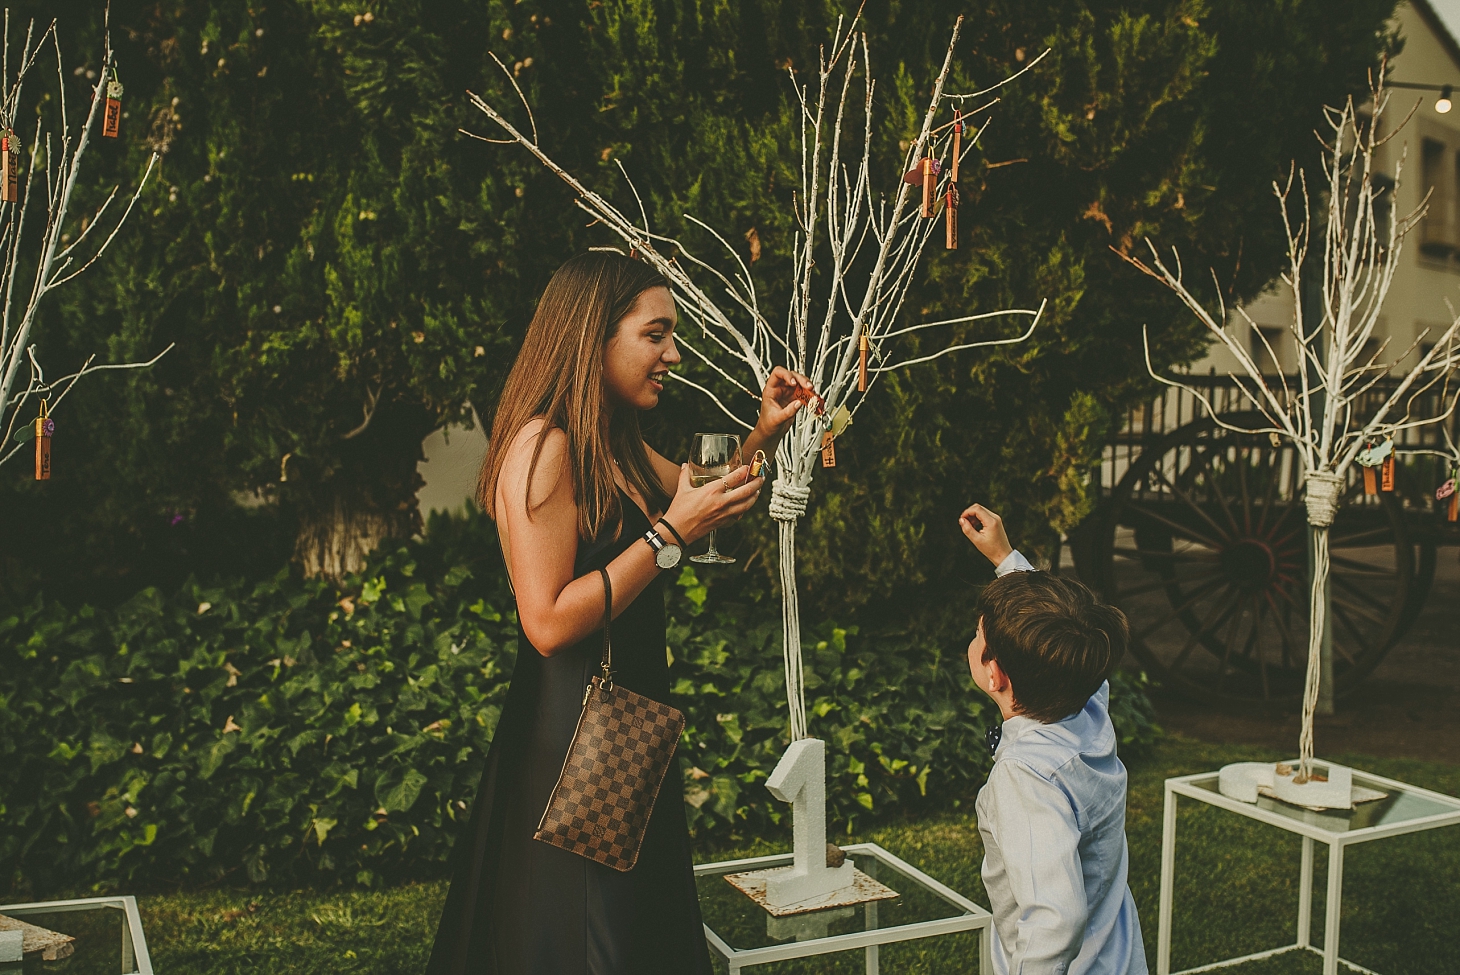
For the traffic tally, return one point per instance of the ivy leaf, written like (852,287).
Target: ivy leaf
(398,789)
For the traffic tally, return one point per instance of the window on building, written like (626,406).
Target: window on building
(1260,340)
(1383,210)
(1437,232)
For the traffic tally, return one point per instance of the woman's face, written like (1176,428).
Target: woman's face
(637,359)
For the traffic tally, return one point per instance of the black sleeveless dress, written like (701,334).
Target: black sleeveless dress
(521,907)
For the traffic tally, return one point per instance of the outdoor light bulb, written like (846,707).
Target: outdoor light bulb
(1443,104)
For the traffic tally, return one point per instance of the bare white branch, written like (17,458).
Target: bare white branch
(51,260)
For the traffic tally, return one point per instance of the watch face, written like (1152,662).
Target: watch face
(667,557)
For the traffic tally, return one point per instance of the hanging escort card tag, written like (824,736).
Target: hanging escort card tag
(828,450)
(1374,452)
(930,183)
(10,178)
(1386,477)
(864,345)
(915,175)
(1447,492)
(1377,453)
(112,119)
(44,427)
(840,420)
(811,396)
(950,214)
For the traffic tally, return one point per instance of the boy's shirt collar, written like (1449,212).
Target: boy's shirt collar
(1074,731)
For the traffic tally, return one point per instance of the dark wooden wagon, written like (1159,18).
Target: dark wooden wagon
(1201,538)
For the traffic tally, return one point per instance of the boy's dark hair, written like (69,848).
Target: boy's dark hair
(1054,639)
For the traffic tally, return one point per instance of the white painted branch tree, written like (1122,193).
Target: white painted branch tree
(35,263)
(856,251)
(1322,413)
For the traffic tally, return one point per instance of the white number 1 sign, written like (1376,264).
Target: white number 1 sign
(800,779)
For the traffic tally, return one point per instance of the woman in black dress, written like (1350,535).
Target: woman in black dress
(574,488)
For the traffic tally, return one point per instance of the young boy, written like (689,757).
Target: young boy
(1052,815)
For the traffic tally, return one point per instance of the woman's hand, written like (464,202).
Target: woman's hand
(778,403)
(697,511)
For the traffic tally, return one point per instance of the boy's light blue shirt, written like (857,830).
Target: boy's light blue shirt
(1052,818)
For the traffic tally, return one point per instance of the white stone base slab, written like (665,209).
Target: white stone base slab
(862,889)
(1245,781)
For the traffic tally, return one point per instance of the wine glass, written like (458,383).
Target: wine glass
(711,457)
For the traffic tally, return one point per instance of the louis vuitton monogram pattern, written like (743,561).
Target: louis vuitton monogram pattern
(620,753)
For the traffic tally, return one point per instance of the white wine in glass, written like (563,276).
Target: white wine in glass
(711,457)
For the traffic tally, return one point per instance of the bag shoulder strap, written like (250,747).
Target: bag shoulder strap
(607,664)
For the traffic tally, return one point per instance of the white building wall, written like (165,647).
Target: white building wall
(1429,271)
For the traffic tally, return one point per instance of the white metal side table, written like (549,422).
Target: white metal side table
(743,934)
(108,933)
(1408,809)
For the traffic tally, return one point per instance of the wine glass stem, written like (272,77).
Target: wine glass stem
(712,550)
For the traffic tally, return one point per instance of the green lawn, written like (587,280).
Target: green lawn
(1236,892)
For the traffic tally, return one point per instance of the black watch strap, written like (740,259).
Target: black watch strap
(673,531)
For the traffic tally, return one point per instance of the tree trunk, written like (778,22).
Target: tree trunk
(366,494)
(791,629)
(336,538)
(1317,628)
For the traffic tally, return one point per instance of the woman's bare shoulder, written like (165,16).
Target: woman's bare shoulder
(551,462)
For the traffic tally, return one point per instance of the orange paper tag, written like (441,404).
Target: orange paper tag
(1386,479)
(828,450)
(42,454)
(10,180)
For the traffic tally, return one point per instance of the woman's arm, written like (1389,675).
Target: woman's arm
(540,540)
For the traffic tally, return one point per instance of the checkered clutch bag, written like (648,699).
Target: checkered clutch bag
(621,751)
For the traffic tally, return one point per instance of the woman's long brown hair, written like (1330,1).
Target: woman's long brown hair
(558,375)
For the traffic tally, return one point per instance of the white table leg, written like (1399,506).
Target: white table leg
(1168,878)
(986,950)
(1335,901)
(1305,893)
(873,956)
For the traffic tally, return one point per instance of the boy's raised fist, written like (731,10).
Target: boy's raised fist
(986,531)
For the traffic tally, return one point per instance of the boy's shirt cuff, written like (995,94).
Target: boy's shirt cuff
(1013,562)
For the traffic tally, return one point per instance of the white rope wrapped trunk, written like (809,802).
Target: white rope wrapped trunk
(788,503)
(1321,498)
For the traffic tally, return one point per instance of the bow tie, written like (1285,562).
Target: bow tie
(992,737)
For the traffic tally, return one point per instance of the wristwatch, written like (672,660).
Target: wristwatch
(666,554)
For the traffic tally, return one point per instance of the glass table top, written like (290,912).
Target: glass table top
(1402,806)
(744,924)
(103,944)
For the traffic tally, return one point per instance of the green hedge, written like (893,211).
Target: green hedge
(290,731)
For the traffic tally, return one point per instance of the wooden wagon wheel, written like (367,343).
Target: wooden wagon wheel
(1205,549)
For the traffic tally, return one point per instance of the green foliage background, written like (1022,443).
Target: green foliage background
(289,731)
(322,232)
